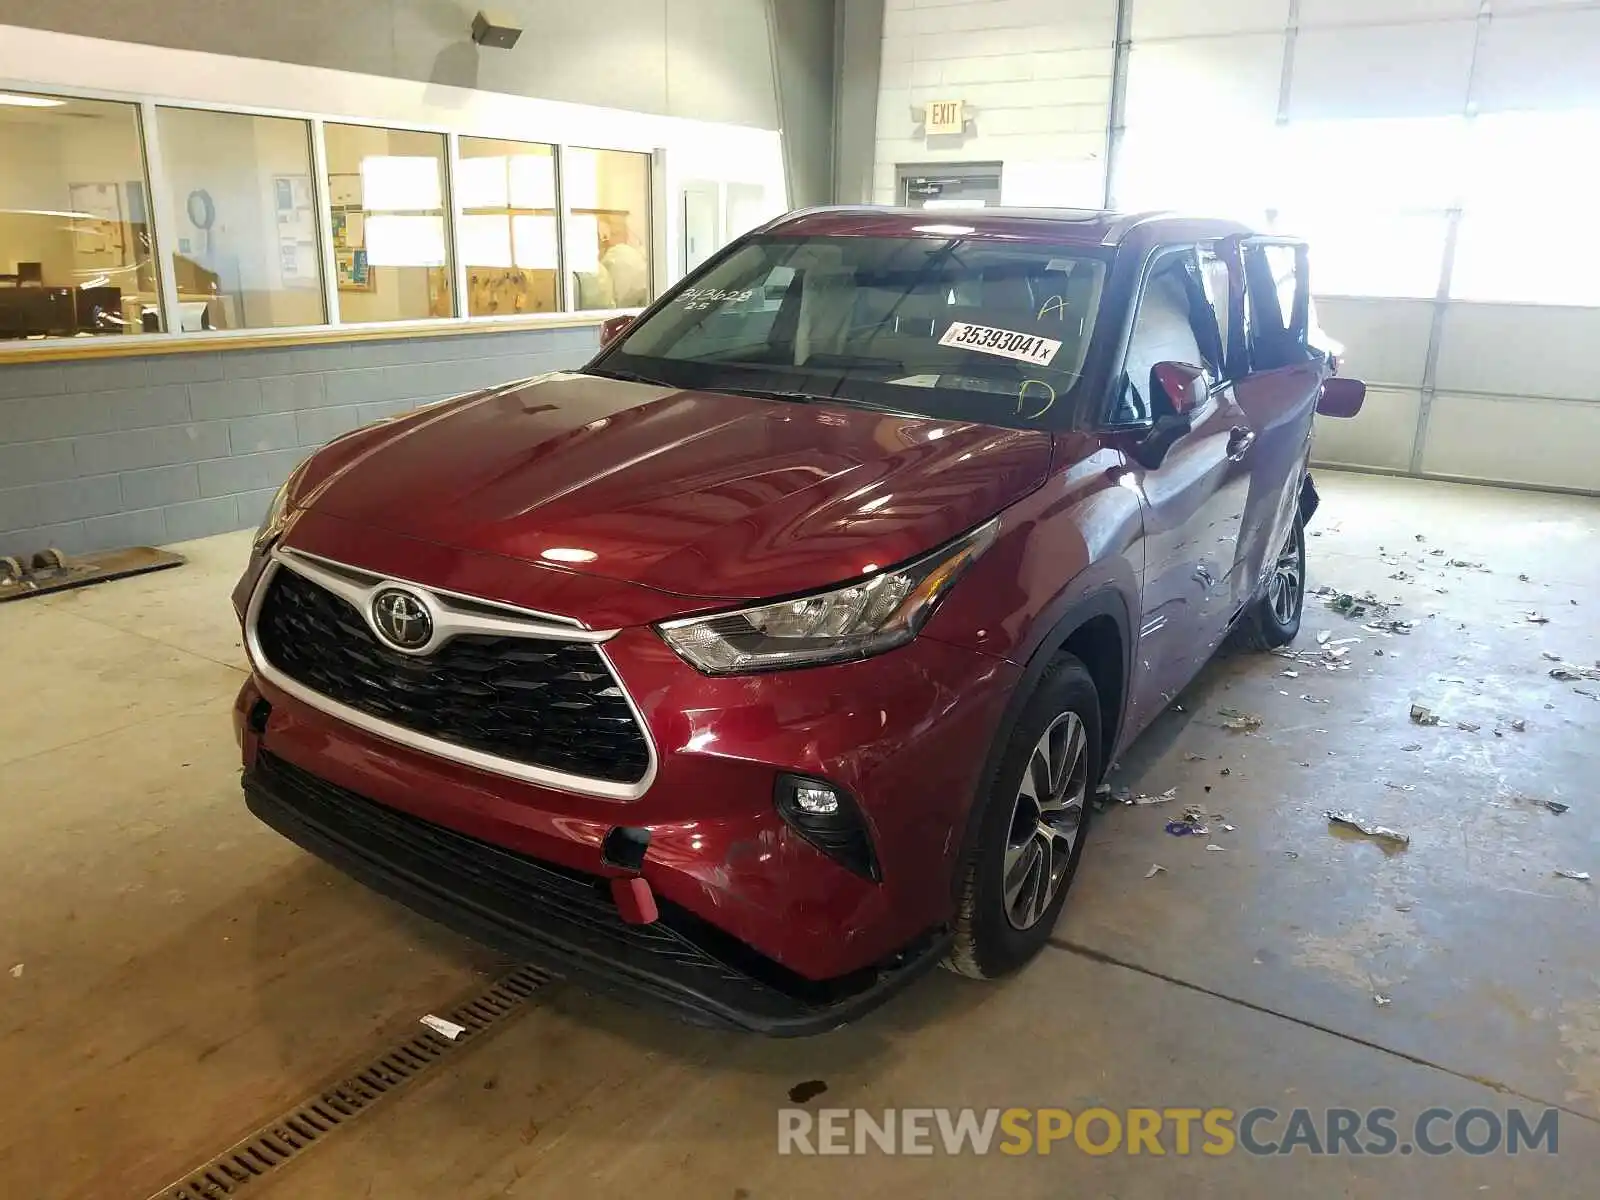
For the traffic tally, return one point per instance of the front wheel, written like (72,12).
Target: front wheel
(1274,619)
(1032,830)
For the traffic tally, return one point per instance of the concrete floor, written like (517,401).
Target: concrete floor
(181,973)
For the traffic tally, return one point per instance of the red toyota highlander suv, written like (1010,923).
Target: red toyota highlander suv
(775,654)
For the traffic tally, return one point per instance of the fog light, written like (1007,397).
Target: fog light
(828,818)
(816,798)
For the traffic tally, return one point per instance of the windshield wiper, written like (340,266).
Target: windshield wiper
(807,398)
(624,376)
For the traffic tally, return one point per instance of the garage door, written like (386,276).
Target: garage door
(1439,156)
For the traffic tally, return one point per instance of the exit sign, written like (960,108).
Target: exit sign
(944,116)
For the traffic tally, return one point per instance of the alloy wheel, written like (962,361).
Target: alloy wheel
(1283,588)
(1045,820)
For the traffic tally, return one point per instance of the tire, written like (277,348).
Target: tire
(1273,620)
(996,930)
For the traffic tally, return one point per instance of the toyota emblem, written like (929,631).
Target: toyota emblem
(402,619)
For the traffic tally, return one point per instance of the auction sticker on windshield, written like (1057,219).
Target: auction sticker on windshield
(1025,347)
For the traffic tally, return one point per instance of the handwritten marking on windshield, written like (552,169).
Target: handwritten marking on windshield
(1022,394)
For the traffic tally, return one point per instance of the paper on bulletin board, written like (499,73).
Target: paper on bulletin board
(533,181)
(481,182)
(582,179)
(583,243)
(486,241)
(355,229)
(344,191)
(400,183)
(535,239)
(396,241)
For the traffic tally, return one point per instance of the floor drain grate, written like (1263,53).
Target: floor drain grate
(278,1142)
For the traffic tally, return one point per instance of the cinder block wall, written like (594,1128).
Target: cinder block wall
(116,452)
(1036,75)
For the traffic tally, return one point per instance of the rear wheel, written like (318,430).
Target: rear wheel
(1274,619)
(1032,830)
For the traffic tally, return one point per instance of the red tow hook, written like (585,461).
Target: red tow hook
(624,847)
(634,899)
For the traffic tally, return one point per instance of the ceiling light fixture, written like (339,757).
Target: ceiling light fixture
(19,101)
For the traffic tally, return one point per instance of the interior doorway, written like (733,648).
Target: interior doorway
(948,185)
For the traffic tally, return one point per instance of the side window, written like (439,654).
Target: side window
(1173,323)
(1278,306)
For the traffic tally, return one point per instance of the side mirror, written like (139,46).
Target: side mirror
(1341,397)
(1181,385)
(613,328)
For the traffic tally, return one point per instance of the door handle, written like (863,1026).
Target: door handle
(1239,442)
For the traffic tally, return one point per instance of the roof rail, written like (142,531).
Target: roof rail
(1121,229)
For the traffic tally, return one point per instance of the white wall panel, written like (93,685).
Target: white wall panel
(1547,443)
(1356,252)
(1367,12)
(1520,350)
(977,43)
(1379,436)
(1382,71)
(1541,60)
(1087,24)
(1035,74)
(1495,263)
(1205,80)
(1052,184)
(1385,341)
(1168,165)
(1189,18)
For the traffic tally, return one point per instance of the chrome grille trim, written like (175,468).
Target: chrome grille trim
(345,582)
(453,614)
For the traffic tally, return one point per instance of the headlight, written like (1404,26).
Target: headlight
(860,619)
(277,513)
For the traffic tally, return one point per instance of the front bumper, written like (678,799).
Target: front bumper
(904,733)
(564,919)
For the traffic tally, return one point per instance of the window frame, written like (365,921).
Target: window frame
(1299,324)
(163,236)
(1217,375)
(167,236)
(459,211)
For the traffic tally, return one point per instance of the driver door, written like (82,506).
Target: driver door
(1278,369)
(1185,467)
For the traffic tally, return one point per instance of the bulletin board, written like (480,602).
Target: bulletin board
(99,232)
(296,218)
(351,270)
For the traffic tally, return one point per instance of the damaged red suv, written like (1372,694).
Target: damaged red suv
(775,655)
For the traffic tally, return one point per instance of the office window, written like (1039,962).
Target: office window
(608,228)
(243,220)
(391,241)
(75,237)
(507,238)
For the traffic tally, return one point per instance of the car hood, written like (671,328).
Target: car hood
(697,493)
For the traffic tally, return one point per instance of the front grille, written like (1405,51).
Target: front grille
(544,703)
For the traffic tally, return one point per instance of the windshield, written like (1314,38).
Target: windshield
(986,331)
